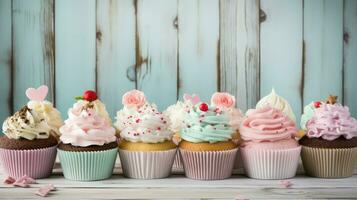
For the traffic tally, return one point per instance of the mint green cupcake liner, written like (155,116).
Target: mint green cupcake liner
(87,165)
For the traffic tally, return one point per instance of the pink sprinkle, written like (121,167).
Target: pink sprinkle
(137,121)
(45,190)
(286,183)
(158,128)
(26,179)
(21,184)
(9,180)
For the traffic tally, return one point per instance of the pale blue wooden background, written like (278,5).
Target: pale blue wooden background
(305,49)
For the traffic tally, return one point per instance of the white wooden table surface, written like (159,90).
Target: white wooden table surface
(179,187)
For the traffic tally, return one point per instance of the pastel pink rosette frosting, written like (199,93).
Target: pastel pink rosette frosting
(268,127)
(134,98)
(331,121)
(227,102)
(86,127)
(223,99)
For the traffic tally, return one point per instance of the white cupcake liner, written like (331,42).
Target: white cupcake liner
(147,164)
(270,164)
(178,165)
(208,165)
(329,163)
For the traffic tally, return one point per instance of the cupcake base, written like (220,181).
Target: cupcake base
(36,163)
(87,165)
(270,164)
(328,162)
(208,165)
(147,164)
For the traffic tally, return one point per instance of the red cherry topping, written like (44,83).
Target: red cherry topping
(317,104)
(90,95)
(203,107)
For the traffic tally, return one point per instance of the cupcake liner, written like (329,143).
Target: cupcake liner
(329,163)
(147,164)
(36,163)
(270,164)
(238,163)
(178,165)
(87,165)
(208,165)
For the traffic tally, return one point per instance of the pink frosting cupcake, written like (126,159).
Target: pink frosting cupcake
(88,147)
(329,148)
(269,149)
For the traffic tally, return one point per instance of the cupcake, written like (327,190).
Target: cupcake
(269,148)
(146,148)
(176,114)
(329,148)
(88,146)
(207,149)
(29,146)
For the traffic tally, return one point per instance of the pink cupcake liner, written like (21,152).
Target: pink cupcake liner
(178,165)
(147,164)
(270,164)
(36,163)
(208,165)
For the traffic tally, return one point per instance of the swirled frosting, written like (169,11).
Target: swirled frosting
(266,124)
(210,126)
(307,115)
(87,125)
(37,120)
(275,101)
(235,117)
(331,121)
(177,114)
(97,105)
(143,124)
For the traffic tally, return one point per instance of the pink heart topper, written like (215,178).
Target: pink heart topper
(38,94)
(193,98)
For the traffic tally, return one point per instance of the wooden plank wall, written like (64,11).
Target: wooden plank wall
(304,49)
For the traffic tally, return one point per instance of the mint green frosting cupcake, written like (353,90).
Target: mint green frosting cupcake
(306,116)
(208,124)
